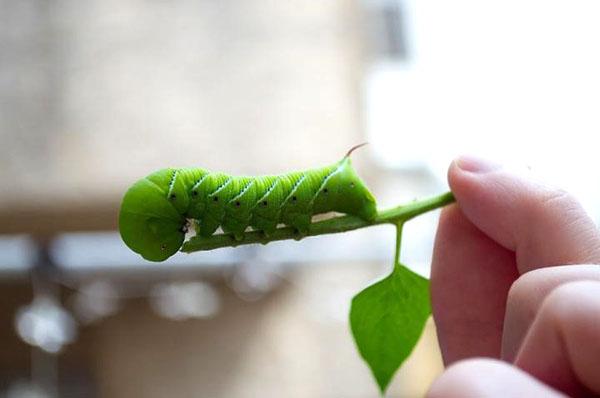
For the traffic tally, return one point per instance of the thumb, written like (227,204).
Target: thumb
(542,225)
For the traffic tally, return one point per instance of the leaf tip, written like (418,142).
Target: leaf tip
(383,382)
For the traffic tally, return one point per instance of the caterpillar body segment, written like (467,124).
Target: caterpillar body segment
(156,209)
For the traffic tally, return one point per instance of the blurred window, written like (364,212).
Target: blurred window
(516,81)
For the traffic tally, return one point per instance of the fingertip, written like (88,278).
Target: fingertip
(485,377)
(474,188)
(561,346)
(466,177)
(544,225)
(527,294)
(474,164)
(461,378)
(454,172)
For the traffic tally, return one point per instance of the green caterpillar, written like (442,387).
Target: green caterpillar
(155,210)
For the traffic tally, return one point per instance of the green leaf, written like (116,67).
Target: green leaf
(387,319)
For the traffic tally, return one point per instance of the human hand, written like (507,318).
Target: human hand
(507,282)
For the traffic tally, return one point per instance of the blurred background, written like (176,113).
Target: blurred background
(96,94)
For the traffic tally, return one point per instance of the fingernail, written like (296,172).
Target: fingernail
(474,164)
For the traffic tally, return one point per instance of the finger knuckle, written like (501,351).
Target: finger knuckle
(553,200)
(521,289)
(569,302)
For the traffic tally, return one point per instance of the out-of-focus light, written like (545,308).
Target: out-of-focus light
(251,281)
(45,324)
(96,300)
(17,254)
(184,300)
(24,389)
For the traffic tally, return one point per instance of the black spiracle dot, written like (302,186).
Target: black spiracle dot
(325,190)
(264,203)
(194,193)
(173,196)
(294,198)
(163,247)
(237,203)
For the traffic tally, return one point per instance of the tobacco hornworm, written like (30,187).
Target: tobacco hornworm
(155,210)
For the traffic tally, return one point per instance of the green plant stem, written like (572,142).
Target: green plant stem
(395,215)
(399,227)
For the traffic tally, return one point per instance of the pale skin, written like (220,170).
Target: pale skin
(515,288)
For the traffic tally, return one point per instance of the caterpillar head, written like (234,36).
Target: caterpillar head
(149,222)
(355,197)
